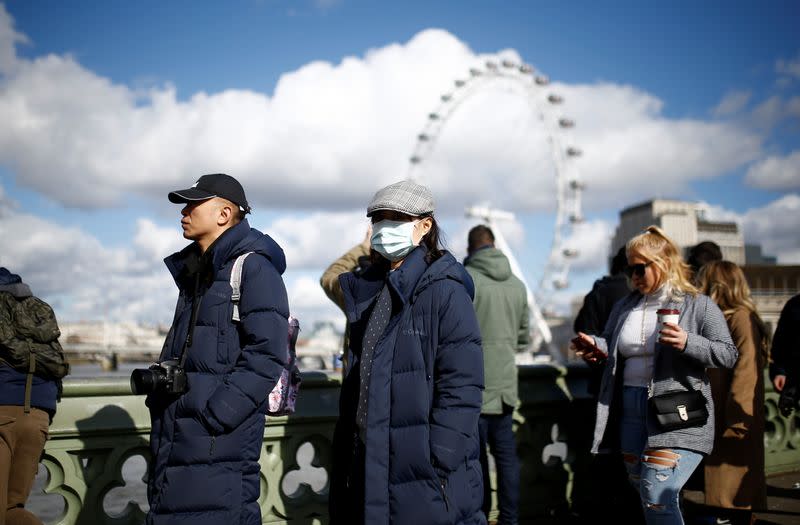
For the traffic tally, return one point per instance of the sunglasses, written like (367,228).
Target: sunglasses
(636,269)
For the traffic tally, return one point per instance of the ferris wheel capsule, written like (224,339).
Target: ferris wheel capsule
(574,152)
(560,283)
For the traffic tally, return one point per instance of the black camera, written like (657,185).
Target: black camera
(167,376)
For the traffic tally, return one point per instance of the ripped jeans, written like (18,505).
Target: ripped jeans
(657,474)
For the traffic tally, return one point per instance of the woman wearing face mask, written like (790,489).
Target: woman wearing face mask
(405,449)
(644,362)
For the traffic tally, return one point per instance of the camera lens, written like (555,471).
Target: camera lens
(145,380)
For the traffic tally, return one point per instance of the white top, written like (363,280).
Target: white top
(637,340)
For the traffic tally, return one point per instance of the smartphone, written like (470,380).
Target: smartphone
(589,350)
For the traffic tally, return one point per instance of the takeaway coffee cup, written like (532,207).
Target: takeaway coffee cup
(667,315)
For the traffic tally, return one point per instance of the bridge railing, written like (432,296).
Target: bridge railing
(98,446)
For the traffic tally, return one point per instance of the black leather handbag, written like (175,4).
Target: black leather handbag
(679,409)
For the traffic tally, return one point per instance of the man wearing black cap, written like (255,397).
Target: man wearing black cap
(207,432)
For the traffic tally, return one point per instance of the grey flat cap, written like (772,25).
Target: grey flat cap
(405,197)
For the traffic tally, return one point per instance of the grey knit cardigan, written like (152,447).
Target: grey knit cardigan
(709,344)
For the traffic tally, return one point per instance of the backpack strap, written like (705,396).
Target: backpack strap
(236,284)
(29,379)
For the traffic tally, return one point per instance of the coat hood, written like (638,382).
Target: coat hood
(411,278)
(233,242)
(491,262)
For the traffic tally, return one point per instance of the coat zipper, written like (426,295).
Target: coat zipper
(443,485)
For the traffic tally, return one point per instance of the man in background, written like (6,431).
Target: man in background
(703,253)
(501,305)
(605,292)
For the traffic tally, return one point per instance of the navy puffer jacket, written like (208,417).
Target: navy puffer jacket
(206,442)
(419,464)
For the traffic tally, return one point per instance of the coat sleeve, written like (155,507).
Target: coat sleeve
(263,329)
(713,346)
(785,343)
(740,403)
(330,277)
(524,336)
(458,381)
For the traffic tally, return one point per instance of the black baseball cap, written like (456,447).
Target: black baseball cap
(210,186)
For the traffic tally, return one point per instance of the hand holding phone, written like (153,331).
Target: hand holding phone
(587,350)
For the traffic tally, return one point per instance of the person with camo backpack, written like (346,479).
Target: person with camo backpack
(31,367)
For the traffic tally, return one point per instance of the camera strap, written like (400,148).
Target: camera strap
(196,300)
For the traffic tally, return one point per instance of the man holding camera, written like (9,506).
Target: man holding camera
(208,393)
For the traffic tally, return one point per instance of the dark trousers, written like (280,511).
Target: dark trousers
(496,432)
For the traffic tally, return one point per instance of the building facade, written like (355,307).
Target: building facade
(684,222)
(771,287)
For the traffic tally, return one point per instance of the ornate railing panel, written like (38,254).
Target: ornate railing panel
(98,447)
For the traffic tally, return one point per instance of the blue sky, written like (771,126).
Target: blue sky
(314,105)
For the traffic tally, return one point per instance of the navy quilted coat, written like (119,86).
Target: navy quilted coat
(419,463)
(206,442)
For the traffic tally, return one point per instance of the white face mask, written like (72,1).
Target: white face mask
(393,239)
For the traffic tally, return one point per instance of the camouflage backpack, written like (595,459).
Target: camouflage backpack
(29,337)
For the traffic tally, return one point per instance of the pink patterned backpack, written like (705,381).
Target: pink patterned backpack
(281,401)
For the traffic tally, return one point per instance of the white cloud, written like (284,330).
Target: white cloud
(592,240)
(627,145)
(327,138)
(732,103)
(83,279)
(790,68)
(315,240)
(776,173)
(773,226)
(333,133)
(9,38)
(155,242)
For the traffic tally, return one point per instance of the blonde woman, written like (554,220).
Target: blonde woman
(645,361)
(734,472)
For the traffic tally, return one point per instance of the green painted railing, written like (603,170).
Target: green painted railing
(100,426)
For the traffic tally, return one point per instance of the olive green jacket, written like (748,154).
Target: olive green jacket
(501,304)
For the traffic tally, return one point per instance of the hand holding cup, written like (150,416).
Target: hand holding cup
(670,333)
